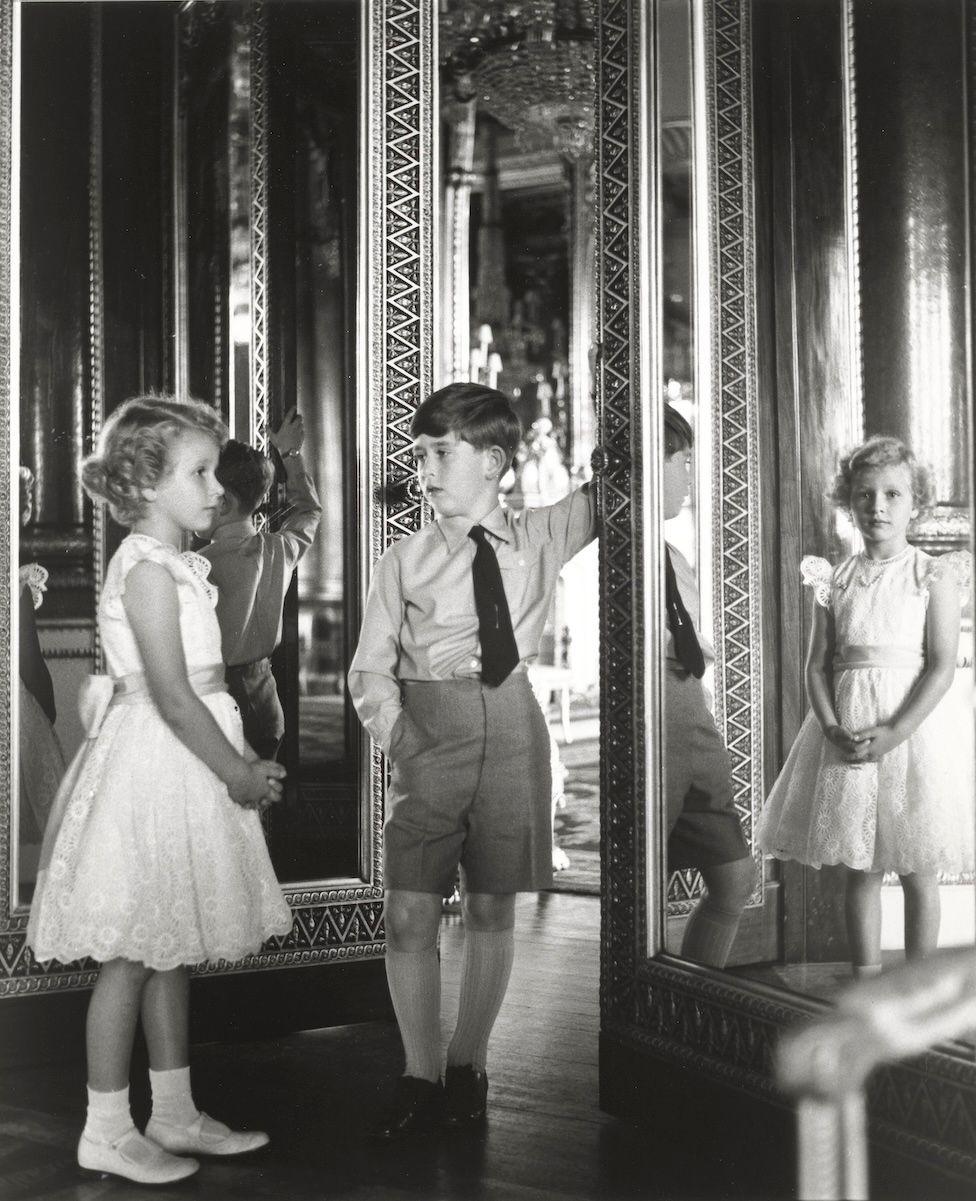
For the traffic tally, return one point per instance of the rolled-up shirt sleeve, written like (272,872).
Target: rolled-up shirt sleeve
(373,683)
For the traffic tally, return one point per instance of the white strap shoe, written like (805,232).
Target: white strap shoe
(204,1136)
(134,1157)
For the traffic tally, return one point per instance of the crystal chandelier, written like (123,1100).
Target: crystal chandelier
(529,64)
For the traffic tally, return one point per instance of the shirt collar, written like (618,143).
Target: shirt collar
(234,531)
(456,529)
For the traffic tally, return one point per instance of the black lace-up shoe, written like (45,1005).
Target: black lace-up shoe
(465,1097)
(415,1109)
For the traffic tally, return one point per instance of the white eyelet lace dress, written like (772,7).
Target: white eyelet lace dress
(913,811)
(145,856)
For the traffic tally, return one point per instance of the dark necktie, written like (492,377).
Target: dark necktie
(499,654)
(687,648)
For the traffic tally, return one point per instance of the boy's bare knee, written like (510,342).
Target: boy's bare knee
(411,919)
(489,911)
(730,885)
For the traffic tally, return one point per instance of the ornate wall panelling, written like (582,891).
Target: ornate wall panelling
(656,1010)
(335,920)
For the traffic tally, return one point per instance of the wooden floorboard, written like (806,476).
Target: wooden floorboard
(315,1092)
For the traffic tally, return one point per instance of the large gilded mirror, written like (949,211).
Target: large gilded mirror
(203,219)
(809,256)
(759,483)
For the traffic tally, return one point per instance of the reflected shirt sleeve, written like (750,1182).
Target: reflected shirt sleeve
(373,682)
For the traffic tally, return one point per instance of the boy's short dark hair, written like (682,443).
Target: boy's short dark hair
(677,432)
(246,473)
(481,416)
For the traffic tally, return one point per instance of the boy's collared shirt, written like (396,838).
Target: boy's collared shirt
(252,570)
(420,621)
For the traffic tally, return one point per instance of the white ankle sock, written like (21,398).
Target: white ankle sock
(172,1100)
(108,1116)
(488,957)
(414,978)
(866,971)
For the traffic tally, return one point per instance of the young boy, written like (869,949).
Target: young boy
(702,823)
(454,615)
(253,570)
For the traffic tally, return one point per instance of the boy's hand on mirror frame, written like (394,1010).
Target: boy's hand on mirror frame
(290,435)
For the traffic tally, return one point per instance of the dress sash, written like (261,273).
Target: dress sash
(101,693)
(854,657)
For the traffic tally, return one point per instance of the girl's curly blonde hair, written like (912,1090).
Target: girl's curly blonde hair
(882,451)
(133,450)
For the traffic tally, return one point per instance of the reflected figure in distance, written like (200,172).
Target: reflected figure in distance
(252,570)
(702,824)
(41,757)
(880,777)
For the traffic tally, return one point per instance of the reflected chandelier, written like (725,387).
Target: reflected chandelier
(528,63)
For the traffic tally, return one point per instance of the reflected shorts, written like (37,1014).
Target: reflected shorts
(703,826)
(471,786)
(253,688)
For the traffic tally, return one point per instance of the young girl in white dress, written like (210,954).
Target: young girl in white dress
(881,776)
(154,857)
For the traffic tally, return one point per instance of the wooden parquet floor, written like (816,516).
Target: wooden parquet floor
(546,1138)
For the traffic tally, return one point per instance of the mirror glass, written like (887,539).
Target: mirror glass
(270,156)
(149,262)
(829,376)
(518,91)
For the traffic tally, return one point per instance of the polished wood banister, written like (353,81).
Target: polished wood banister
(826,1063)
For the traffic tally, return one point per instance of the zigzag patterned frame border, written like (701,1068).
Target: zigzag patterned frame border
(8,673)
(339,923)
(712,1023)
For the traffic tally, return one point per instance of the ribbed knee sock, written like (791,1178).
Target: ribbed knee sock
(414,978)
(710,933)
(488,956)
(172,1100)
(108,1116)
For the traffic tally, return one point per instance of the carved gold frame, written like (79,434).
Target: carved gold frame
(653,1005)
(337,920)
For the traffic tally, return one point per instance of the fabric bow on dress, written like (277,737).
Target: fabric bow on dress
(94,698)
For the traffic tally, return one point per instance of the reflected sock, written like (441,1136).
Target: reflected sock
(866,971)
(710,933)
(488,957)
(414,978)
(108,1116)
(172,1100)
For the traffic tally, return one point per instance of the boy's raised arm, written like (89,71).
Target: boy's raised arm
(373,684)
(304,511)
(570,524)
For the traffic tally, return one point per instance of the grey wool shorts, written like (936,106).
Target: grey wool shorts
(702,824)
(471,786)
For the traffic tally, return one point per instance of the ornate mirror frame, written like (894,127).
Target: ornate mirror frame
(655,1007)
(342,920)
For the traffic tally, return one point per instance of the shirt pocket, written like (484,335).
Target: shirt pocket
(523,576)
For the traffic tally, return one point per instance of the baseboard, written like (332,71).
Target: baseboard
(47,1027)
